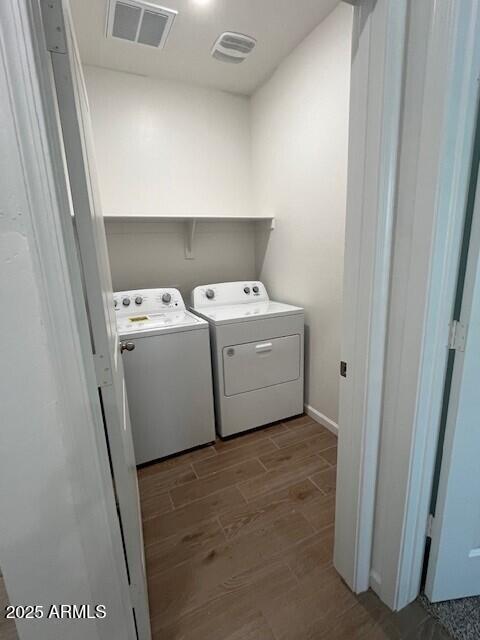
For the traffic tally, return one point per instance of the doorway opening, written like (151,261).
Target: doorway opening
(278,157)
(196,163)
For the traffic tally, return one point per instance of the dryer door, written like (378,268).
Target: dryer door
(256,365)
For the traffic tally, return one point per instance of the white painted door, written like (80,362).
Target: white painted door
(93,256)
(454,563)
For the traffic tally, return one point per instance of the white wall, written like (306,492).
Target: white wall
(300,145)
(151,254)
(166,148)
(60,539)
(171,149)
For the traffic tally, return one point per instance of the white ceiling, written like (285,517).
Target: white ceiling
(278,26)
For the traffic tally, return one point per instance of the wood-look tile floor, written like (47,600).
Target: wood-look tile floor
(238,540)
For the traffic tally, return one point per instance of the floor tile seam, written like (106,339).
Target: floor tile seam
(275,444)
(283,502)
(184,531)
(145,495)
(234,539)
(158,572)
(297,441)
(230,465)
(261,437)
(260,462)
(329,464)
(158,513)
(212,493)
(302,540)
(287,424)
(301,477)
(282,465)
(210,476)
(322,491)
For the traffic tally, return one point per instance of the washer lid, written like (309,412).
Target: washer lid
(244,312)
(142,325)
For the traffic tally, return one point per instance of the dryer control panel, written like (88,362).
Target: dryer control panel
(228,293)
(143,301)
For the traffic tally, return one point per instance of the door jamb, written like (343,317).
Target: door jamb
(447,231)
(89,490)
(451,197)
(452,73)
(371,252)
(378,51)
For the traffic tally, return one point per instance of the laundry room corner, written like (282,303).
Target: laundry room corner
(167,149)
(142,254)
(300,121)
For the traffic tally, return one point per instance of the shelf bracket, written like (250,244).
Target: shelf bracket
(190,228)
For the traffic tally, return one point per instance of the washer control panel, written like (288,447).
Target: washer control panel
(142,301)
(228,293)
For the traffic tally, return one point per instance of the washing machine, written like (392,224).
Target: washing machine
(168,376)
(257,354)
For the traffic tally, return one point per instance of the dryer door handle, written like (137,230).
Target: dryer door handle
(265,346)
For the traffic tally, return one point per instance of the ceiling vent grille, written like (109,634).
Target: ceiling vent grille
(233,47)
(140,22)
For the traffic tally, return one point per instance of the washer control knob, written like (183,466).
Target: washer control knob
(126,302)
(247,290)
(138,300)
(255,289)
(115,303)
(166,298)
(210,293)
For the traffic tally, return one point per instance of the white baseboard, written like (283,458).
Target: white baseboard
(375,581)
(322,419)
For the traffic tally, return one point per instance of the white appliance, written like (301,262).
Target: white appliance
(168,374)
(257,354)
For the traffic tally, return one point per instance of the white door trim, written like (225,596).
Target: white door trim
(411,424)
(452,189)
(375,111)
(67,96)
(74,490)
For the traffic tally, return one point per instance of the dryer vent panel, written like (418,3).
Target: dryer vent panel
(139,22)
(233,47)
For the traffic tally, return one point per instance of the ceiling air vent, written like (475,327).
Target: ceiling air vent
(140,22)
(233,47)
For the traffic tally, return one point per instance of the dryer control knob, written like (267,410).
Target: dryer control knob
(246,290)
(210,293)
(166,298)
(255,289)
(115,303)
(138,300)
(126,302)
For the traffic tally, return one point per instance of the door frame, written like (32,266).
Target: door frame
(65,95)
(37,563)
(358,444)
(393,524)
(410,427)
(378,52)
